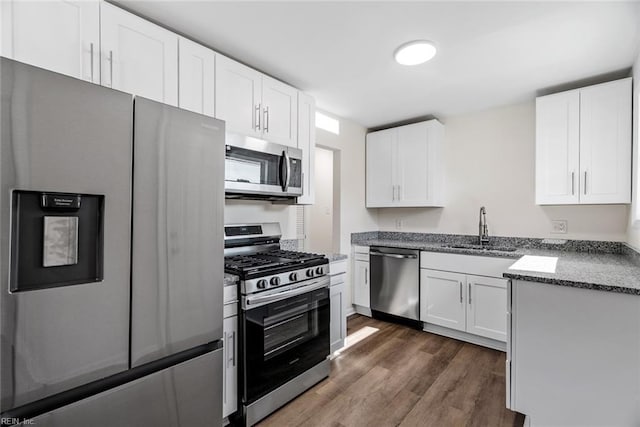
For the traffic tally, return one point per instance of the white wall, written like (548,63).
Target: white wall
(633,231)
(490,162)
(349,164)
(320,227)
(248,211)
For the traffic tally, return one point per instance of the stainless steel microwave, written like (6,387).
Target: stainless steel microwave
(257,169)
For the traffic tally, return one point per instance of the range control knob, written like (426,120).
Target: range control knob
(319,270)
(275,281)
(310,272)
(262,283)
(293,277)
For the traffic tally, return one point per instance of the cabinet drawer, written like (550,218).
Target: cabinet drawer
(468,264)
(337,279)
(361,249)
(338,267)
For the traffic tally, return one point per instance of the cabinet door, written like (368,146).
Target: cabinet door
(338,325)
(279,112)
(487,307)
(417,164)
(381,191)
(196,77)
(238,97)
(443,298)
(137,56)
(230,366)
(61,36)
(605,143)
(557,148)
(361,293)
(307,143)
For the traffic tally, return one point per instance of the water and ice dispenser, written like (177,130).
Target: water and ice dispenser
(56,239)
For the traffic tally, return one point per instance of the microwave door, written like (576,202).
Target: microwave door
(285,171)
(253,172)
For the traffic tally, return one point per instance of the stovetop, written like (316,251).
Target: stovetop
(268,262)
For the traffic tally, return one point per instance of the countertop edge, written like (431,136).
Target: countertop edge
(571,283)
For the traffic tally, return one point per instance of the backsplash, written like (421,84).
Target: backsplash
(291,244)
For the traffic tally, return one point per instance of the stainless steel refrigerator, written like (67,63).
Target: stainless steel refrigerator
(111,256)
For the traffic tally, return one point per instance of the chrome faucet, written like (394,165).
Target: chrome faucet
(483,229)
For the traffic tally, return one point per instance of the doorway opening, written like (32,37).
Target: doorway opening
(323,224)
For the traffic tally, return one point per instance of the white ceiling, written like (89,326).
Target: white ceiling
(489,53)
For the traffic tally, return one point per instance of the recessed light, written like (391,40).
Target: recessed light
(415,52)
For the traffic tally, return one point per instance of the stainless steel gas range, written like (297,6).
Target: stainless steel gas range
(284,318)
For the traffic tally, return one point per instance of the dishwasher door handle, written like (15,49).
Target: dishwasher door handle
(398,256)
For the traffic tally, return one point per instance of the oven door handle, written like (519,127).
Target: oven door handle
(256,301)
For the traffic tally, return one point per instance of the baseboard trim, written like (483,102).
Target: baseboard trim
(464,336)
(365,311)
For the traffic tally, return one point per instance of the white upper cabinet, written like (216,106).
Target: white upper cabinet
(280,112)
(137,56)
(307,143)
(254,104)
(381,190)
(405,166)
(238,97)
(583,145)
(557,148)
(605,143)
(196,71)
(61,36)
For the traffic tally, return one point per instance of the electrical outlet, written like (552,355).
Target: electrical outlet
(559,226)
(398,224)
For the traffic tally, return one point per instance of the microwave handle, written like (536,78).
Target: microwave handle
(285,171)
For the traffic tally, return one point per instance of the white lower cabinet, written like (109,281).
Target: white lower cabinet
(442,299)
(338,322)
(464,302)
(361,285)
(486,307)
(230,366)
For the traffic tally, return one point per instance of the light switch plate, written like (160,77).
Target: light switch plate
(559,226)
(398,224)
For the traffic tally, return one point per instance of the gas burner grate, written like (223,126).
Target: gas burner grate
(292,255)
(242,262)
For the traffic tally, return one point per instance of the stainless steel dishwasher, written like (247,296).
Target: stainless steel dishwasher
(394,278)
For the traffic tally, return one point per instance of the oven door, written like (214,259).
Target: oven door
(284,338)
(257,167)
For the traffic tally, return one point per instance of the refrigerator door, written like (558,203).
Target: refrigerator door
(177,231)
(62,135)
(185,395)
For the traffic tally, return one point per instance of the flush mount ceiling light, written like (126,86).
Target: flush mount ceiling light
(415,52)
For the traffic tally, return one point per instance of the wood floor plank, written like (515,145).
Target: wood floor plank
(398,376)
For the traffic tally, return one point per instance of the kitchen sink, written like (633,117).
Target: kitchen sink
(482,247)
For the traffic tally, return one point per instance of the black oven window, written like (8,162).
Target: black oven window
(283,339)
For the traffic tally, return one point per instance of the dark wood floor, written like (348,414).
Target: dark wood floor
(399,376)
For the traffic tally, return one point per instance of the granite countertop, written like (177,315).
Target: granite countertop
(230,279)
(336,257)
(605,272)
(606,266)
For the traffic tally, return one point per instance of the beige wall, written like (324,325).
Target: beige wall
(633,230)
(320,227)
(490,162)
